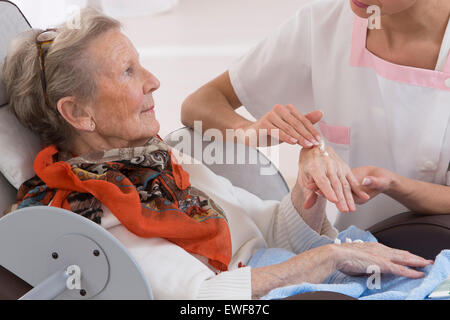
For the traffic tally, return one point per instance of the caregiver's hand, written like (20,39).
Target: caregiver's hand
(373,180)
(327,174)
(356,258)
(294,127)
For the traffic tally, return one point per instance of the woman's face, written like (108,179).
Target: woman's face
(388,7)
(123,107)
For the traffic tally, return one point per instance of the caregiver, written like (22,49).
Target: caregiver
(384,94)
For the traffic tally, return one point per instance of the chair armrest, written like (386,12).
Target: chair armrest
(423,235)
(12,287)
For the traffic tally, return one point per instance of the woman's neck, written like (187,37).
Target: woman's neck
(85,143)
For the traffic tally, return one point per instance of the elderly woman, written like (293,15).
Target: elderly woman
(85,93)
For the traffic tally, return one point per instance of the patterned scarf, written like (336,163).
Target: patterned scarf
(145,189)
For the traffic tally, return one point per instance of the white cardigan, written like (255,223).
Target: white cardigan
(173,273)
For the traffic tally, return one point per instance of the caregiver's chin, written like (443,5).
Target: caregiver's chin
(388,7)
(122,112)
(403,12)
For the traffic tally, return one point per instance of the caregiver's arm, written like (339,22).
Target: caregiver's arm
(420,196)
(416,195)
(214,98)
(284,123)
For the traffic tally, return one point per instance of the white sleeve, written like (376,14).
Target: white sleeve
(292,229)
(278,69)
(281,224)
(175,274)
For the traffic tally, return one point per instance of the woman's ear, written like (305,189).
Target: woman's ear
(75,114)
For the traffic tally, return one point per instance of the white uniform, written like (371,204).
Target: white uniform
(376,112)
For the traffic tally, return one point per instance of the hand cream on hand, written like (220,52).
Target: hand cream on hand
(322,148)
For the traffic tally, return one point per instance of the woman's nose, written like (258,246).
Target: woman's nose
(151,83)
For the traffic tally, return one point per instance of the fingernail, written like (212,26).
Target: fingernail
(318,138)
(344,207)
(367,182)
(316,143)
(294,140)
(308,144)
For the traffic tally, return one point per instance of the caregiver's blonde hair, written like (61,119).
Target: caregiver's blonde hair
(69,72)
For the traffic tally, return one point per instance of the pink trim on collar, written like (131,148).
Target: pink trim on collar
(361,57)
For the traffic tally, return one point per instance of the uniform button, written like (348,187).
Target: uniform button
(447,83)
(429,165)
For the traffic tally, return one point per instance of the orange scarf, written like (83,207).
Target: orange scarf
(144,187)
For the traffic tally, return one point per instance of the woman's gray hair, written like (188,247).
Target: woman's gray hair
(69,72)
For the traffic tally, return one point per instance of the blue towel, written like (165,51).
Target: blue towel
(391,287)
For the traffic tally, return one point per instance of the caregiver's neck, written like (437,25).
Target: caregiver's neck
(424,18)
(418,29)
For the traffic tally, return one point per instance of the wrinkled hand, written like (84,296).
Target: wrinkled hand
(373,181)
(294,127)
(329,176)
(356,258)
